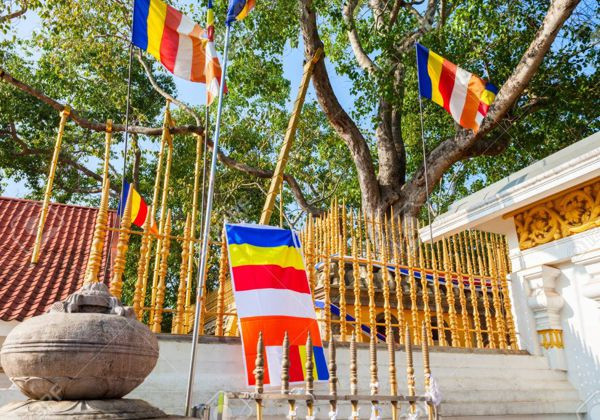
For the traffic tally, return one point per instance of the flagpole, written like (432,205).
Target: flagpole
(206,232)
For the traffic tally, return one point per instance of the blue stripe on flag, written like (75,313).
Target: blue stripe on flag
(322,372)
(260,236)
(492,88)
(235,8)
(123,199)
(423,74)
(139,35)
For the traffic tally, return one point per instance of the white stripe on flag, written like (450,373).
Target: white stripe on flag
(183,61)
(274,356)
(478,118)
(273,302)
(459,93)
(186,25)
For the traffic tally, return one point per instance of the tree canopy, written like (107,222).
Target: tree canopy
(370,155)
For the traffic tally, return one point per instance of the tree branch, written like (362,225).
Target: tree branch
(364,61)
(16,14)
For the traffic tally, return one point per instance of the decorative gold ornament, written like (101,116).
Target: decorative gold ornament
(551,339)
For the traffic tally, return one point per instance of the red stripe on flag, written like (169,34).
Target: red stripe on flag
(483,108)
(169,45)
(250,277)
(447,79)
(296,372)
(141,216)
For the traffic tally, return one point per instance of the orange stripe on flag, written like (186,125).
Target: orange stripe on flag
(467,119)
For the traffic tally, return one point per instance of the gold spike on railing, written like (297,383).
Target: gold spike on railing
(310,387)
(177,327)
(473,292)
(116,283)
(500,326)
(162,276)
(410,370)
(385,277)
(223,269)
(37,245)
(310,254)
(332,378)
(464,314)
(326,225)
(95,258)
(424,290)
(484,291)
(427,370)
(374,384)
(342,274)
(356,278)
(142,273)
(259,371)
(396,244)
(353,376)
(392,373)
(285,376)
(107,142)
(410,252)
(370,277)
(437,295)
(450,294)
(502,256)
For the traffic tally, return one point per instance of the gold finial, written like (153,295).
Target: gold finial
(427,370)
(162,276)
(259,371)
(392,372)
(285,365)
(142,273)
(410,370)
(223,270)
(95,258)
(116,284)
(180,305)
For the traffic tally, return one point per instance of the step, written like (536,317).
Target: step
(496,408)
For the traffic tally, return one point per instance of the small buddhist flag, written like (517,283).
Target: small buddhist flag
(238,10)
(213,67)
(464,95)
(139,208)
(272,296)
(171,37)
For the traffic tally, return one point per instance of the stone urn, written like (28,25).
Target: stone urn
(88,347)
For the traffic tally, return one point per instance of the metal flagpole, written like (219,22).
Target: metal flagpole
(206,231)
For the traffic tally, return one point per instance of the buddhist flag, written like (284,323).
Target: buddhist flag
(139,208)
(272,296)
(238,10)
(171,37)
(464,95)
(213,67)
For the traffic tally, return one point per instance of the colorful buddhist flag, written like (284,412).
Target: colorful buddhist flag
(238,10)
(213,67)
(272,296)
(171,37)
(139,208)
(464,95)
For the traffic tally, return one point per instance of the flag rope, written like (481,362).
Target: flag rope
(206,231)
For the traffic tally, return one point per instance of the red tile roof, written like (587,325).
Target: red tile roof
(27,289)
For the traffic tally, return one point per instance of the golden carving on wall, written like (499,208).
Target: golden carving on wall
(551,339)
(572,211)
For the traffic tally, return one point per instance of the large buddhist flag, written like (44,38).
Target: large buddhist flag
(171,37)
(139,208)
(238,10)
(272,296)
(464,95)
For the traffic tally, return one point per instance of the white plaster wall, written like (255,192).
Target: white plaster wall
(580,321)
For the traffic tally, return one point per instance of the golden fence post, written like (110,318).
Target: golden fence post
(392,372)
(342,274)
(107,142)
(285,376)
(202,302)
(177,326)
(385,278)
(37,246)
(450,294)
(116,283)
(310,254)
(259,371)
(502,256)
(396,244)
(95,258)
(439,309)
(356,278)
(464,313)
(474,301)
(142,273)
(427,371)
(353,376)
(410,253)
(500,327)
(374,384)
(162,276)
(309,376)
(370,278)
(161,226)
(332,378)
(223,268)
(424,286)
(410,370)
(484,290)
(327,272)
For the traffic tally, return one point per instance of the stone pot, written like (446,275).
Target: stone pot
(88,347)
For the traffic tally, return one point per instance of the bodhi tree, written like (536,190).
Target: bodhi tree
(369,152)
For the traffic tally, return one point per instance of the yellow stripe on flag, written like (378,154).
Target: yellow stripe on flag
(283,256)
(434,68)
(136,199)
(157,14)
(487,97)
(302,350)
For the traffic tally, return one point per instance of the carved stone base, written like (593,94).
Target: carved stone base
(121,409)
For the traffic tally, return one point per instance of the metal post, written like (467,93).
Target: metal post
(206,232)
